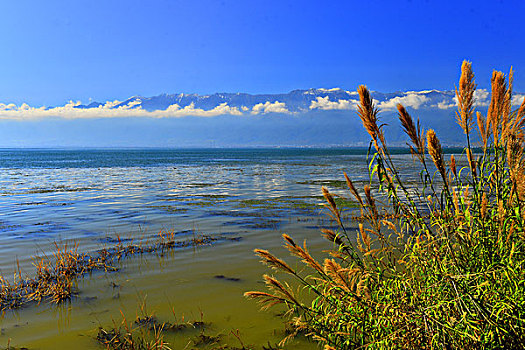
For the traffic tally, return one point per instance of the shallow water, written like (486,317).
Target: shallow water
(91,196)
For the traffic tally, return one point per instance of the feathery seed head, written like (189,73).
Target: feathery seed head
(482,128)
(497,103)
(273,262)
(453,165)
(332,236)
(434,149)
(465,97)
(352,189)
(332,206)
(370,201)
(410,129)
(368,113)
(289,239)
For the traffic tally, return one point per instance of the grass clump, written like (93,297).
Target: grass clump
(55,276)
(143,334)
(437,265)
(146,332)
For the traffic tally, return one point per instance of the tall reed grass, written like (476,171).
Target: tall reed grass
(440,264)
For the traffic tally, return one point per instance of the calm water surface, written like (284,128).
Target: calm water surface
(91,196)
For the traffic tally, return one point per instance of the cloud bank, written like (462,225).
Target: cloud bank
(269,107)
(108,110)
(294,102)
(413,100)
(324,103)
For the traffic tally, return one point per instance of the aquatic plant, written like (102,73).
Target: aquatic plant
(55,276)
(133,336)
(437,265)
(147,333)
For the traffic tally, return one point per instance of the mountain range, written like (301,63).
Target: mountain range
(294,101)
(301,118)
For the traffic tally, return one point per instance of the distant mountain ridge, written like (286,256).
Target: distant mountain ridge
(299,118)
(294,101)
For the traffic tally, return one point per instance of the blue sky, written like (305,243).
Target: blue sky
(54,51)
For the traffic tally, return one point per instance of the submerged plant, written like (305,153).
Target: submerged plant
(440,264)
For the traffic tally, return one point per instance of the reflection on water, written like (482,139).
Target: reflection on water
(90,196)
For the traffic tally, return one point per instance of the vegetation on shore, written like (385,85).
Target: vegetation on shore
(437,265)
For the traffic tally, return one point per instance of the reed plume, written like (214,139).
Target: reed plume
(371,202)
(332,206)
(368,114)
(267,300)
(272,261)
(507,101)
(497,103)
(414,133)
(332,236)
(465,97)
(436,153)
(281,294)
(365,237)
(337,274)
(482,128)
(352,189)
(280,289)
(453,168)
(302,252)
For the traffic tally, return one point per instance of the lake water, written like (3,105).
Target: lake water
(247,197)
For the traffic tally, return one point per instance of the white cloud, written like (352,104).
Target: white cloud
(446,104)
(132,104)
(190,110)
(329,90)
(324,103)
(69,111)
(413,100)
(421,92)
(133,108)
(517,99)
(481,98)
(268,107)
(110,104)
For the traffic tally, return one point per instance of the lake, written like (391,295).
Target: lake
(246,198)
